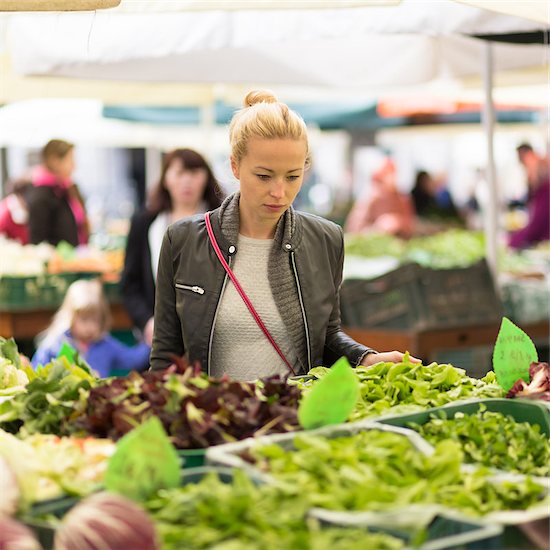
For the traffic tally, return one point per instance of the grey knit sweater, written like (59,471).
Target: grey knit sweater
(280,278)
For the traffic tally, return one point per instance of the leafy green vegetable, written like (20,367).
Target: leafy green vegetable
(493,439)
(47,466)
(241,515)
(394,388)
(375,470)
(57,394)
(14,373)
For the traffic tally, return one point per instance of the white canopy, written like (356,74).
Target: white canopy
(350,48)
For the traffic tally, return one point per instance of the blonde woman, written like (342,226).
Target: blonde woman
(286,264)
(83,322)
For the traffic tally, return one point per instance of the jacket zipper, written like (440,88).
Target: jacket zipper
(196,289)
(215,316)
(303,309)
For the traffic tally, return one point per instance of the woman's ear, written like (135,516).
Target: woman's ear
(234,167)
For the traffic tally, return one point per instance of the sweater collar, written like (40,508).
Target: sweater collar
(288,232)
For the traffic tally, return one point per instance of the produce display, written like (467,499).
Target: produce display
(196,411)
(14,369)
(241,515)
(492,439)
(334,473)
(395,388)
(109,522)
(46,466)
(538,387)
(54,396)
(444,250)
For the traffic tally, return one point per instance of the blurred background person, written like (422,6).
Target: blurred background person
(187,186)
(384,209)
(14,213)
(432,200)
(83,322)
(537,169)
(56,207)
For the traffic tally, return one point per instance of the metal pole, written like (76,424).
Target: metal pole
(488,119)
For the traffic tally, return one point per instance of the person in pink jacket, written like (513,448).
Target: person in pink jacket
(384,209)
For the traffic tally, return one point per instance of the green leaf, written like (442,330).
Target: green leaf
(332,399)
(513,354)
(145,461)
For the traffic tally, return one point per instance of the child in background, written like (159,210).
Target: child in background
(83,322)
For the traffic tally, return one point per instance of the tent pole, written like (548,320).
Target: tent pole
(488,118)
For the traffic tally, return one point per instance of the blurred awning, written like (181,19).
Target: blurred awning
(535,10)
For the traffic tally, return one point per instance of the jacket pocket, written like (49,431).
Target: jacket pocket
(191,288)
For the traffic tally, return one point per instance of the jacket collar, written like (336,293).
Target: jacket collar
(226,223)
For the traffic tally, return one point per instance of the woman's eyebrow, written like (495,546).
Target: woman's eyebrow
(269,170)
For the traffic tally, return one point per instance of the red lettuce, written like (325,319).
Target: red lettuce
(538,388)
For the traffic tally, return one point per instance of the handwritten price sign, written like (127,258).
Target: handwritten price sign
(144,462)
(332,399)
(513,354)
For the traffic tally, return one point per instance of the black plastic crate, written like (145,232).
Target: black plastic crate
(390,301)
(459,297)
(419,298)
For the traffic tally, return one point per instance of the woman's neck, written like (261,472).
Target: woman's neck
(254,227)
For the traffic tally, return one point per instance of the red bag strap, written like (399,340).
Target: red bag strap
(242,293)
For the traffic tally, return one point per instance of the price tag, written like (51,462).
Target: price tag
(144,462)
(513,354)
(67,351)
(332,399)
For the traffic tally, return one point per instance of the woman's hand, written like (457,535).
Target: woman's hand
(386,357)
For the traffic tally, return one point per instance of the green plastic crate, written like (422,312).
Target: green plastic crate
(36,520)
(19,293)
(445,531)
(522,410)
(192,458)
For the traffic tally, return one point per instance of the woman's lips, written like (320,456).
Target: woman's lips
(274,207)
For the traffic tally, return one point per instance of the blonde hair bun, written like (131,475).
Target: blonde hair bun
(259,96)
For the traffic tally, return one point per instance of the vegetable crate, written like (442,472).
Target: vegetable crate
(527,301)
(459,297)
(390,301)
(520,410)
(421,298)
(192,458)
(37,291)
(444,530)
(42,517)
(229,454)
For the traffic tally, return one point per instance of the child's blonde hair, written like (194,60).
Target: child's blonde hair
(264,117)
(82,296)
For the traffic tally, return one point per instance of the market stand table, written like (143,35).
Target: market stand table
(425,343)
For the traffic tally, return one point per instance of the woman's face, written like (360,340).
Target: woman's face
(63,166)
(271,174)
(185,186)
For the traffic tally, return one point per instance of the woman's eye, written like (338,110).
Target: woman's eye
(263,177)
(293,178)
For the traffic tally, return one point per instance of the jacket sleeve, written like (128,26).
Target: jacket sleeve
(132,282)
(337,342)
(167,336)
(40,216)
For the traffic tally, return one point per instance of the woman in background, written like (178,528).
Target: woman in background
(186,187)
(56,207)
(83,322)
(384,209)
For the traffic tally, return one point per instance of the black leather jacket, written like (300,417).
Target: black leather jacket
(191,281)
